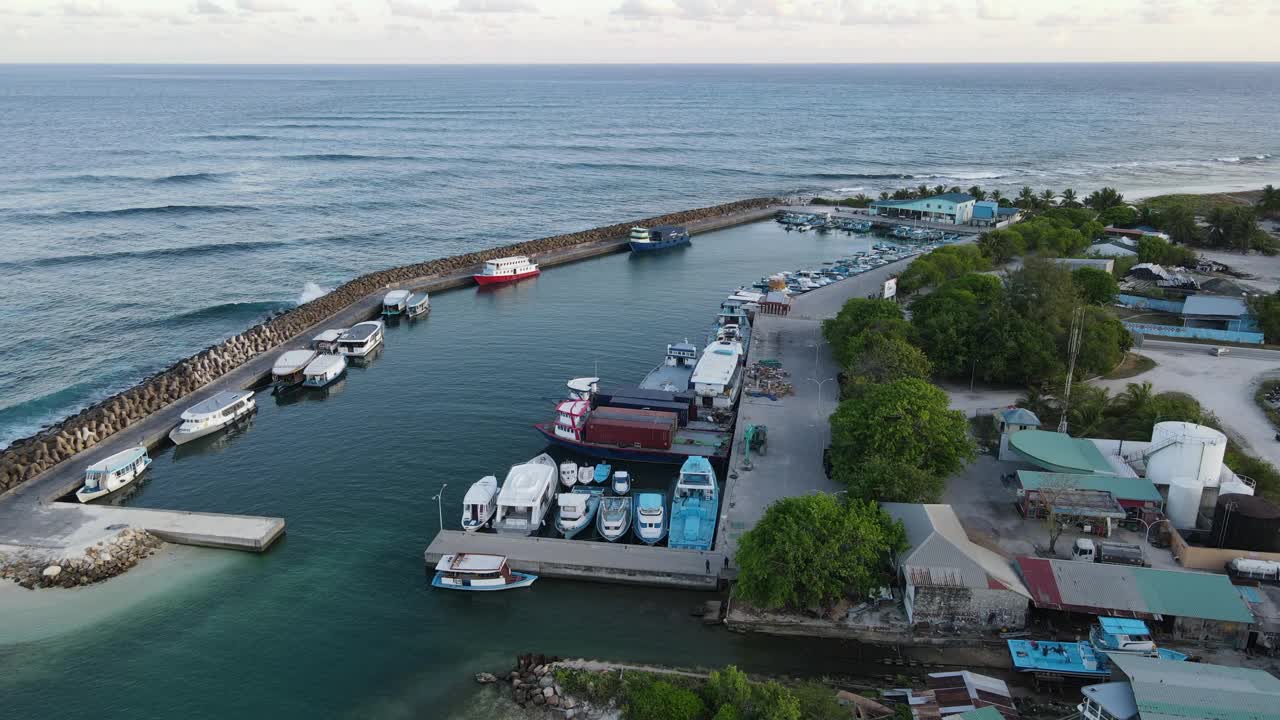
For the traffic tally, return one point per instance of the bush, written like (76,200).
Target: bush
(728,687)
(818,702)
(1096,287)
(772,701)
(661,700)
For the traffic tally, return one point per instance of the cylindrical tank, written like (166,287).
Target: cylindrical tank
(1246,522)
(1185,450)
(1184,502)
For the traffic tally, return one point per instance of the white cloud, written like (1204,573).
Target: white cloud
(495,6)
(88,8)
(264,6)
(1059,20)
(1160,12)
(208,7)
(996,10)
(925,12)
(409,8)
(648,9)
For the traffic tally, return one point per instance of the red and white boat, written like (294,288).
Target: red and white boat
(507,269)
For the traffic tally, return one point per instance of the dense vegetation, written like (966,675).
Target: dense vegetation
(1266,308)
(941,265)
(727,694)
(813,550)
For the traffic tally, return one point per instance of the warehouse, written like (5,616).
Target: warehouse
(1154,689)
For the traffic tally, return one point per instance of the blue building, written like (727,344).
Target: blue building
(947,208)
(989,212)
(1218,313)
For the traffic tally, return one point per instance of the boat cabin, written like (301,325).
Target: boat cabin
(361,338)
(127,462)
(419,303)
(480,503)
(573,506)
(1125,635)
(571,418)
(508,267)
(473,570)
(582,388)
(395,302)
(327,341)
(288,368)
(216,410)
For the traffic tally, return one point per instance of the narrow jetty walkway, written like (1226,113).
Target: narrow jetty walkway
(67,529)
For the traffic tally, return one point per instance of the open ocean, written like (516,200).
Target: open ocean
(149,211)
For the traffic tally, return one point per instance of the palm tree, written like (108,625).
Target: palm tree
(922,190)
(1069,198)
(1270,199)
(1026,198)
(862,200)
(1039,402)
(939,189)
(884,194)
(977,192)
(1219,222)
(1148,216)
(955,189)
(902,194)
(1104,199)
(1046,198)
(1088,409)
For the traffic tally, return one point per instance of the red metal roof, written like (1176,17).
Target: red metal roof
(1038,575)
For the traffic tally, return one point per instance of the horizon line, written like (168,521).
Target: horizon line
(383,63)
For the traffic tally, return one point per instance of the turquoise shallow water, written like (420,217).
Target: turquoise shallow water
(337,620)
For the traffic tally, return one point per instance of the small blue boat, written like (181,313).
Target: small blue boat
(602,473)
(661,237)
(651,517)
(1070,659)
(478,572)
(695,503)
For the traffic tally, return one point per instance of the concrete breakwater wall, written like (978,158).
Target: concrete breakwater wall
(27,458)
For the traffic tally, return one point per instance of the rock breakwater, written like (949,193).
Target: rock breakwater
(99,562)
(31,456)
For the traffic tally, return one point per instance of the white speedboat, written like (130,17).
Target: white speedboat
(568,473)
(577,510)
(324,370)
(418,304)
(621,482)
(287,370)
(480,503)
(526,496)
(107,476)
(585,474)
(361,339)
(614,518)
(394,303)
(651,517)
(212,414)
(327,341)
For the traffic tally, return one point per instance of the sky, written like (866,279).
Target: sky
(637,31)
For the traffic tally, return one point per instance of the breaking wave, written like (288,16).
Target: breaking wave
(311,291)
(161,210)
(158,253)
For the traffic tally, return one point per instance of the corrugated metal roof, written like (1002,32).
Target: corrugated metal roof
(1059,452)
(938,543)
(1121,488)
(1102,588)
(1172,690)
(1214,305)
(982,713)
(1019,416)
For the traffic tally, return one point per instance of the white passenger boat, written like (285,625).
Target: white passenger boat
(327,341)
(474,571)
(324,370)
(394,303)
(418,304)
(717,378)
(107,476)
(360,339)
(212,414)
(505,270)
(568,473)
(526,496)
(287,370)
(480,503)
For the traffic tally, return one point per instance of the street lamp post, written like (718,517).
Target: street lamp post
(1148,526)
(440,505)
(819,383)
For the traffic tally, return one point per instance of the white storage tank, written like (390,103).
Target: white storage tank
(1184,502)
(1185,450)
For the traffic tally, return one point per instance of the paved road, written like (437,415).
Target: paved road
(1150,344)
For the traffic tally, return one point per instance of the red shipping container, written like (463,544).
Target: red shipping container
(632,428)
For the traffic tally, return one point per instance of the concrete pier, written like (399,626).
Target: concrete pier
(587,560)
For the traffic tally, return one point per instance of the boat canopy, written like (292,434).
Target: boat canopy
(573,500)
(395,297)
(418,298)
(361,332)
(718,363)
(471,563)
(292,361)
(324,365)
(526,483)
(215,404)
(650,504)
(328,336)
(122,459)
(482,491)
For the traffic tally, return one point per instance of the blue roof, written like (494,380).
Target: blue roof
(1008,211)
(1019,416)
(1123,626)
(1214,305)
(950,197)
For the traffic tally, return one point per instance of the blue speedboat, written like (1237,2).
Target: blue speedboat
(651,517)
(602,473)
(695,502)
(657,238)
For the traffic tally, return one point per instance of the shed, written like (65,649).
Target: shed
(1173,690)
(949,580)
(775,303)
(1059,452)
(1010,421)
(969,692)
(1218,312)
(1131,493)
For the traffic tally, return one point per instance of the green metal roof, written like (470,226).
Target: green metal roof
(1057,452)
(982,713)
(1191,594)
(1121,488)
(1173,690)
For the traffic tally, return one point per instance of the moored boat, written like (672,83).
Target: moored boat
(568,473)
(621,482)
(676,369)
(651,517)
(577,510)
(480,503)
(324,370)
(394,303)
(475,571)
(526,496)
(717,378)
(417,305)
(602,473)
(361,339)
(286,372)
(327,341)
(112,474)
(586,473)
(695,502)
(614,519)
(212,414)
(660,237)
(505,270)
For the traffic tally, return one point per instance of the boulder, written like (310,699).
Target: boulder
(52,571)
(485,678)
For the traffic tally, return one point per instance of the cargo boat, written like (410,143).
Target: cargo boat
(619,433)
(660,237)
(676,369)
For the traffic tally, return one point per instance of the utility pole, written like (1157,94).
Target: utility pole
(1073,349)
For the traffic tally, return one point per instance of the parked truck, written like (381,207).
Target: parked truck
(1108,552)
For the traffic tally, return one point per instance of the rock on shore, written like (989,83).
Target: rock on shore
(99,562)
(29,457)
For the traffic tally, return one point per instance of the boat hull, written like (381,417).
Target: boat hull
(644,247)
(519,580)
(107,488)
(316,384)
(501,279)
(180,438)
(613,452)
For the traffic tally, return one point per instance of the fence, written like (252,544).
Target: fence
(1145,303)
(1212,559)
(1178,331)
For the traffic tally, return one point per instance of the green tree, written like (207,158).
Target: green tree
(812,550)
(889,480)
(729,686)
(1088,413)
(1070,199)
(909,421)
(1047,197)
(977,192)
(1001,246)
(1026,198)
(1266,309)
(661,700)
(1096,287)
(939,189)
(1121,216)
(727,712)
(1103,199)
(857,316)
(1270,199)
(1179,222)
(818,702)
(772,701)
(882,357)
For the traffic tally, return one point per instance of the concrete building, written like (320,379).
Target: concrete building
(1135,495)
(1154,689)
(947,208)
(1103,264)
(1010,421)
(988,213)
(1218,313)
(950,581)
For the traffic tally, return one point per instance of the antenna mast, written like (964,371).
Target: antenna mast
(1073,349)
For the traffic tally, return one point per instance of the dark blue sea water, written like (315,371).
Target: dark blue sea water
(147,211)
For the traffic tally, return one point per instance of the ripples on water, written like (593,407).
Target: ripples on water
(150,211)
